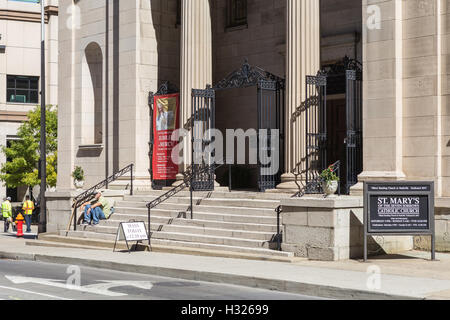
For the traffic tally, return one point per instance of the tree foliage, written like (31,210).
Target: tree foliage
(24,154)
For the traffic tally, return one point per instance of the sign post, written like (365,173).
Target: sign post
(399,209)
(131,232)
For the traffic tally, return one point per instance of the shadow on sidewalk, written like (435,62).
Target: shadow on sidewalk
(26,236)
(395,257)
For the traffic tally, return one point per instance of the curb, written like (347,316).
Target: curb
(306,289)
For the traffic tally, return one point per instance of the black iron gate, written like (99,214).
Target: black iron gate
(271,135)
(202,122)
(341,79)
(316,131)
(271,119)
(353,141)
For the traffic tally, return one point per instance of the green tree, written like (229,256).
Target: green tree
(24,153)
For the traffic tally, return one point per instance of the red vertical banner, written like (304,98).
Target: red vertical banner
(166,120)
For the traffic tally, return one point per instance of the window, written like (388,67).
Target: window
(22,89)
(237,13)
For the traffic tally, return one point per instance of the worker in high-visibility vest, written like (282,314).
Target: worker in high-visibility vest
(28,207)
(7,214)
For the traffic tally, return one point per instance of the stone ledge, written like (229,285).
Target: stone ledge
(327,203)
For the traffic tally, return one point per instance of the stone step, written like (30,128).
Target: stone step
(182,237)
(127,214)
(239,203)
(236,226)
(269,212)
(215,202)
(227,241)
(112,229)
(152,194)
(176,247)
(208,246)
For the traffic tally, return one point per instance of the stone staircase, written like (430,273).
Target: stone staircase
(243,222)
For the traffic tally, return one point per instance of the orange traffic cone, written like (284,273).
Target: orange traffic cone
(19,221)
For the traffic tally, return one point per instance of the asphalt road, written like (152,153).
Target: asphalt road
(40,281)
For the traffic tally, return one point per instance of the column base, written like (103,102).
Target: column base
(380,176)
(288,183)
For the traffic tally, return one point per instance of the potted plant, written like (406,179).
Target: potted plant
(330,181)
(78,177)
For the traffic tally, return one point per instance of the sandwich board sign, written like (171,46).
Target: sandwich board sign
(399,209)
(131,232)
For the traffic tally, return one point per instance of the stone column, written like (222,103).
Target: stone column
(302,59)
(196,59)
(384,92)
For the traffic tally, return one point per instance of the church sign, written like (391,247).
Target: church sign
(397,209)
(166,121)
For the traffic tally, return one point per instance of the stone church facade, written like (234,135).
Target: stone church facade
(113,53)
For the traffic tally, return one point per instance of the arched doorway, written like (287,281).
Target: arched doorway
(92,94)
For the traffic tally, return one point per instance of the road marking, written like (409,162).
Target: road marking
(35,293)
(102,288)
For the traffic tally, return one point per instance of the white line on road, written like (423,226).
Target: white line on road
(34,293)
(102,288)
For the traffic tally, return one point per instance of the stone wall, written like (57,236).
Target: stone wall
(59,208)
(442,229)
(332,230)
(341,28)
(405,93)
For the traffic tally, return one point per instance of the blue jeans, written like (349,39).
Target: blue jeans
(28,222)
(95,215)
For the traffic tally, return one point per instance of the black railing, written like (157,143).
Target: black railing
(187,182)
(315,186)
(279,211)
(90,193)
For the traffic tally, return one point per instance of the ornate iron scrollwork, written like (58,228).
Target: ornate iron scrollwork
(248,76)
(341,67)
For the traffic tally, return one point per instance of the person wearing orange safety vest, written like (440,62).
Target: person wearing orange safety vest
(7,214)
(28,207)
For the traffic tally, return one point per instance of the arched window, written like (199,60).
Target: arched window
(93,95)
(237,13)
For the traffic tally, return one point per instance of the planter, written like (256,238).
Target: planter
(78,184)
(330,187)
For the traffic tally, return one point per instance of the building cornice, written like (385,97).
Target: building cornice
(13,116)
(27,16)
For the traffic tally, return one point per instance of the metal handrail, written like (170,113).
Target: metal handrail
(187,182)
(279,211)
(90,193)
(311,187)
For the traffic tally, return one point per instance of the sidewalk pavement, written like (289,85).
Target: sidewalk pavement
(409,276)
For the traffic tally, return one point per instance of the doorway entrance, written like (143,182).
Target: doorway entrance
(334,123)
(267,132)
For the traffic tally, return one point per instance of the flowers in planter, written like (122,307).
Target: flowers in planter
(78,174)
(328,175)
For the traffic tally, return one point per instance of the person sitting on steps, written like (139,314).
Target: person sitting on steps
(96,210)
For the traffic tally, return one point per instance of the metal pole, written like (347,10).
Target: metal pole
(433,247)
(43,146)
(132,166)
(149,230)
(75,217)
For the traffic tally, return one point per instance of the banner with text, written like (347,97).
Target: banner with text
(165,122)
